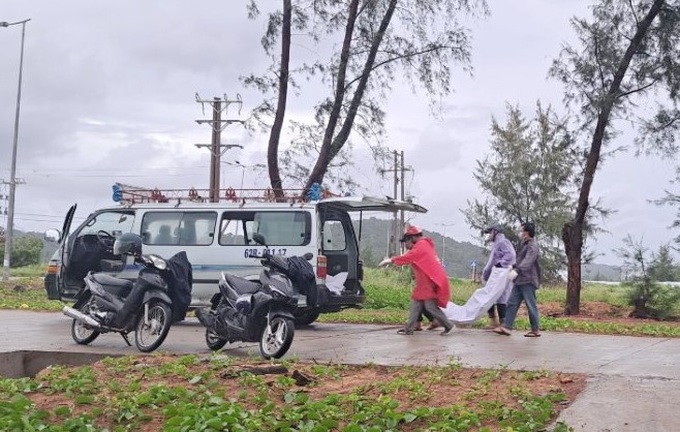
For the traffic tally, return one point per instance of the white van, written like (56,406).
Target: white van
(218,237)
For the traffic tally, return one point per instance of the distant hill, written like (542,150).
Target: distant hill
(374,238)
(458,259)
(459,255)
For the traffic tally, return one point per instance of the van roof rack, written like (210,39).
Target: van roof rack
(128,194)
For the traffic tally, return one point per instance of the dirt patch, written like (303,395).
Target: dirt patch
(412,387)
(596,311)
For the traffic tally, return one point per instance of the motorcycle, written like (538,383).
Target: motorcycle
(252,311)
(145,306)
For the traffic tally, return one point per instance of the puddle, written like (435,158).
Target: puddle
(20,364)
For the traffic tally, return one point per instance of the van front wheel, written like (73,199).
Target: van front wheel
(306,317)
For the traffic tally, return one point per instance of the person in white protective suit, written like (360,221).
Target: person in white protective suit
(502,255)
(498,282)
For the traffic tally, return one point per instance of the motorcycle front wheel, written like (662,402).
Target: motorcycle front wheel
(82,333)
(277,337)
(213,340)
(150,334)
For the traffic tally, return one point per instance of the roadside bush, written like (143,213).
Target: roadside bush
(653,300)
(26,251)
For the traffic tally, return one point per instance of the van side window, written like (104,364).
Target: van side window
(179,228)
(333,236)
(279,228)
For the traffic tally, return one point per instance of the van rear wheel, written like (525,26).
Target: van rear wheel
(306,317)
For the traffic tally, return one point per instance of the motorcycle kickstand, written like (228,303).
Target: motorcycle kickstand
(125,337)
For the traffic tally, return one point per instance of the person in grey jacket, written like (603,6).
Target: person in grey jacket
(502,255)
(525,284)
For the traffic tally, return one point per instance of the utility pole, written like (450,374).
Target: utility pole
(217,149)
(9,230)
(398,223)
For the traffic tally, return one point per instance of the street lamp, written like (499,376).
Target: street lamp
(445,225)
(243,168)
(12,180)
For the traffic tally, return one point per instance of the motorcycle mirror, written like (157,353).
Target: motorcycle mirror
(308,256)
(259,239)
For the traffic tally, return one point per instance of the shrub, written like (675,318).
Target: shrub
(652,300)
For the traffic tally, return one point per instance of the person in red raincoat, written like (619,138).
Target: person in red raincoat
(431,283)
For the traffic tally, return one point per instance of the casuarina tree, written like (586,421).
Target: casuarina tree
(626,67)
(529,175)
(363,49)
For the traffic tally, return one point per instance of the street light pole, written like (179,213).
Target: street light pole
(9,230)
(445,225)
(243,168)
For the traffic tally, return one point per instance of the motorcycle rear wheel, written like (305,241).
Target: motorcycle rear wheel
(82,333)
(149,336)
(277,337)
(214,341)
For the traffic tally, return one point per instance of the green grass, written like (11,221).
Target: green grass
(388,293)
(28,294)
(194,394)
(35,270)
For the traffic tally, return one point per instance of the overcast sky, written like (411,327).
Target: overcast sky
(108,96)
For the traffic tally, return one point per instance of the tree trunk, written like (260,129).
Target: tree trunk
(275,133)
(573,245)
(572,232)
(325,157)
(332,145)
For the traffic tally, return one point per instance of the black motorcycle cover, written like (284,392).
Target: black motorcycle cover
(179,286)
(301,273)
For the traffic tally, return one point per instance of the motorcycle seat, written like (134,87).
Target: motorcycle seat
(242,286)
(120,287)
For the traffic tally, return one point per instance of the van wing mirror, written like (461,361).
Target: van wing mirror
(53,235)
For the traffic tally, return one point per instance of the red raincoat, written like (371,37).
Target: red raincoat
(430,276)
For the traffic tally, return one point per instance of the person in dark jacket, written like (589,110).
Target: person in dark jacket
(525,284)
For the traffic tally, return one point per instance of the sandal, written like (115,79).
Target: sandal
(533,334)
(405,332)
(501,331)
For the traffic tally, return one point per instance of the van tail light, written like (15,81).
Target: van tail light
(52,268)
(321,266)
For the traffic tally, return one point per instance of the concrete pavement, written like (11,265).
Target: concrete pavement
(633,383)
